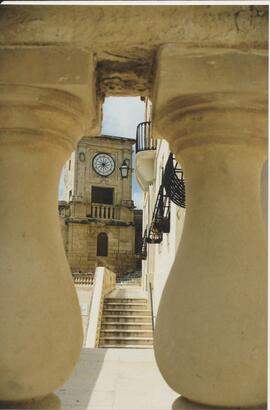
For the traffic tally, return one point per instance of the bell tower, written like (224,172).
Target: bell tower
(98,212)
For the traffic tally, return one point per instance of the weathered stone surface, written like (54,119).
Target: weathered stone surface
(126,38)
(72,72)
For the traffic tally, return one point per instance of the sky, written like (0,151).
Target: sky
(121,115)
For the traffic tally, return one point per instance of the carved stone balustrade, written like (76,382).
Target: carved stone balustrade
(210,101)
(83,278)
(210,337)
(102,211)
(45,108)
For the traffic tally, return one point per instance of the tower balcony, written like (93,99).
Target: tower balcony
(102,211)
(144,139)
(145,154)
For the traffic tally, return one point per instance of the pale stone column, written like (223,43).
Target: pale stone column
(43,113)
(210,337)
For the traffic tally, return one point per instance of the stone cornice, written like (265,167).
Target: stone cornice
(97,221)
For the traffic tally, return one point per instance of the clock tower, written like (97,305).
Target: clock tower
(97,213)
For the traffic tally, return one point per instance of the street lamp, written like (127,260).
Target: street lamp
(124,168)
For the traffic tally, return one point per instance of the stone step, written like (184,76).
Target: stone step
(126,319)
(126,333)
(130,282)
(126,341)
(126,312)
(126,325)
(111,346)
(125,300)
(125,306)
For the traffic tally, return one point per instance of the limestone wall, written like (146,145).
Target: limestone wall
(82,247)
(69,177)
(64,231)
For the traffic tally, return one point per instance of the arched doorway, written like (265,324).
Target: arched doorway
(102,244)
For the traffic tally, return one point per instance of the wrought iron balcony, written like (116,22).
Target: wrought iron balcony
(143,252)
(161,216)
(144,140)
(145,155)
(154,237)
(174,183)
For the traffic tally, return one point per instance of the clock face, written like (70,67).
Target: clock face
(103,164)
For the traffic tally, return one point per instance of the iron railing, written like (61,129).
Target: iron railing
(143,252)
(174,183)
(161,216)
(144,139)
(152,306)
(129,277)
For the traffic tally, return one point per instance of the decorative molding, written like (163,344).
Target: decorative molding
(46,115)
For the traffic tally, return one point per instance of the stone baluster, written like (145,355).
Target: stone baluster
(45,109)
(210,337)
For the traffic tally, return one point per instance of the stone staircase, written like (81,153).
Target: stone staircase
(126,323)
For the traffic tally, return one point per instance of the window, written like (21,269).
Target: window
(102,195)
(102,244)
(69,165)
(70,194)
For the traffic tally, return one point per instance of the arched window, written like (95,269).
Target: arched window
(102,244)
